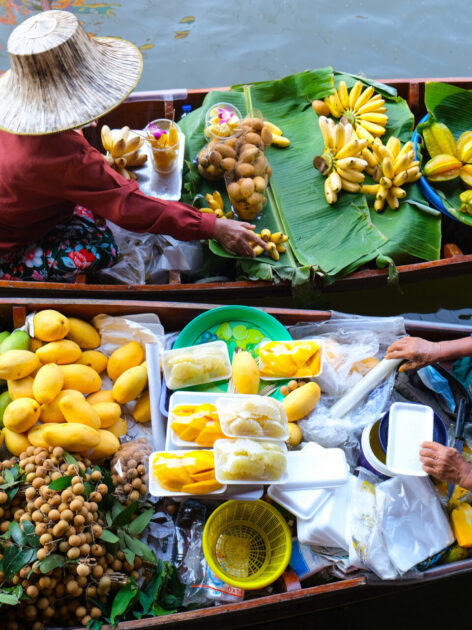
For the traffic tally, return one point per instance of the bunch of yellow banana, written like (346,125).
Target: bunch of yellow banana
(275,243)
(364,109)
(122,150)
(278,139)
(341,162)
(216,206)
(394,166)
(448,158)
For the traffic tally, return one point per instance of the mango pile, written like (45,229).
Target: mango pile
(192,472)
(55,396)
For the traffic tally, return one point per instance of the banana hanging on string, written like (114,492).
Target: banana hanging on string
(341,162)
(364,109)
(122,149)
(396,166)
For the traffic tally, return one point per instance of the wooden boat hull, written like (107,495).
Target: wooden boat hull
(141,107)
(290,599)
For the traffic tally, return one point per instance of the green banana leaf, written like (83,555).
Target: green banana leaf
(330,241)
(453,106)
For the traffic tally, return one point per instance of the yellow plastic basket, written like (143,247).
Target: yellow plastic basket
(247,543)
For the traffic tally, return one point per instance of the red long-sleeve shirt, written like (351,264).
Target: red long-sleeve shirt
(42,178)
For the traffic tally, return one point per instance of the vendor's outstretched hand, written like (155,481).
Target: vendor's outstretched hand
(447,464)
(418,352)
(236,236)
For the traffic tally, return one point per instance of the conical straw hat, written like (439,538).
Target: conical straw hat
(61,78)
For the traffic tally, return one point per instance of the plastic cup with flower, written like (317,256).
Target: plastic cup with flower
(162,137)
(222,120)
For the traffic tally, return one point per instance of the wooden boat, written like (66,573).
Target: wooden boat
(365,290)
(289,598)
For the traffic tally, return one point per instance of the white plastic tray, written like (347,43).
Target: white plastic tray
(285,378)
(158,491)
(301,503)
(197,350)
(316,467)
(166,186)
(173,441)
(408,426)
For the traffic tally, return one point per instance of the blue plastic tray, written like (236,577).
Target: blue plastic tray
(428,192)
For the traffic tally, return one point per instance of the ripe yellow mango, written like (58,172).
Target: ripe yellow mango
(245,373)
(16,443)
(83,333)
(35,436)
(21,414)
(81,377)
(301,401)
(48,383)
(76,410)
(104,395)
(50,325)
(72,436)
(108,412)
(119,428)
(94,359)
(61,352)
(22,388)
(295,435)
(51,412)
(34,344)
(124,358)
(130,384)
(142,409)
(107,446)
(16,364)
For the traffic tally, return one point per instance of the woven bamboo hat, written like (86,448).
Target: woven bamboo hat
(61,78)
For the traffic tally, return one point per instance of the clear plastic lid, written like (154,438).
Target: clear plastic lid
(257,417)
(196,365)
(280,360)
(243,460)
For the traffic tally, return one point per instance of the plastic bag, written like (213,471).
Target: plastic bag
(159,535)
(414,525)
(367,549)
(129,471)
(148,258)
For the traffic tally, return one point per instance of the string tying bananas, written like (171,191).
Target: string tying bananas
(275,243)
(341,162)
(122,150)
(216,206)
(364,109)
(395,166)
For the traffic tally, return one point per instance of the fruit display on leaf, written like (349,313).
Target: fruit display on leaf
(216,206)
(361,106)
(122,150)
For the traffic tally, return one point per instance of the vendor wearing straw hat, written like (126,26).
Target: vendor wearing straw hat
(52,181)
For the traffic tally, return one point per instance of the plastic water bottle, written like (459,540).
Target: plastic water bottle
(186,109)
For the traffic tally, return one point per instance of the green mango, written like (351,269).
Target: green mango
(18,340)
(5,400)
(4,335)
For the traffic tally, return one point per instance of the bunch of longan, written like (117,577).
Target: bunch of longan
(67,523)
(128,468)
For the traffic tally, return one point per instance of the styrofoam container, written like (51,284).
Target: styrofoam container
(250,444)
(301,503)
(158,491)
(225,406)
(329,526)
(293,343)
(188,398)
(409,426)
(198,353)
(316,467)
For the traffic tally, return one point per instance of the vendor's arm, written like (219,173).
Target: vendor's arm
(446,463)
(92,183)
(419,352)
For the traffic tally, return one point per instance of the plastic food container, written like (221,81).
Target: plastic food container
(242,461)
(183,467)
(196,365)
(162,137)
(301,503)
(279,360)
(409,426)
(256,417)
(222,120)
(316,467)
(439,430)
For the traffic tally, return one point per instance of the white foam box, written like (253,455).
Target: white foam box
(409,425)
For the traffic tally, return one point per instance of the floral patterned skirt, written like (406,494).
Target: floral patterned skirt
(79,246)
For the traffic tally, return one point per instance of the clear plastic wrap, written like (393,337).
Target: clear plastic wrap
(129,471)
(252,416)
(204,363)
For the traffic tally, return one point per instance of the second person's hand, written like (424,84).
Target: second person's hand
(237,236)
